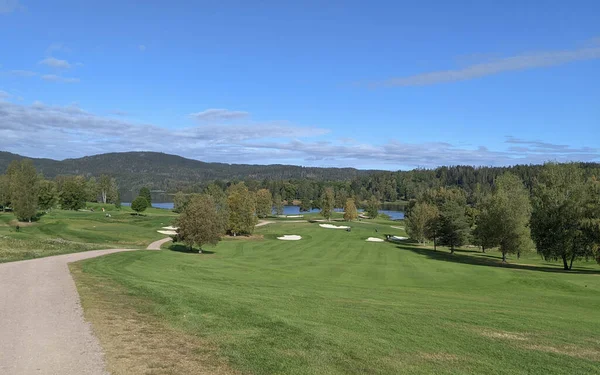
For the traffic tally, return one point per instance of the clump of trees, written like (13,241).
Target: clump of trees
(242,208)
(264,203)
(350,210)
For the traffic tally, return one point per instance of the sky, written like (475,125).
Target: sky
(366,84)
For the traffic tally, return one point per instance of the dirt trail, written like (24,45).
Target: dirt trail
(157,244)
(42,329)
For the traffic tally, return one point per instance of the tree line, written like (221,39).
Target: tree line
(557,213)
(24,191)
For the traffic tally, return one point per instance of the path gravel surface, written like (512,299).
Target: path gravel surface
(42,330)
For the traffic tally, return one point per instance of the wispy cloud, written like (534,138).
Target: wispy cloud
(21,73)
(524,61)
(57,78)
(57,47)
(9,6)
(55,63)
(4,95)
(218,114)
(60,132)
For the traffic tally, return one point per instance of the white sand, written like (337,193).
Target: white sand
(374,239)
(333,226)
(398,238)
(290,237)
(170,228)
(294,216)
(402,228)
(167,232)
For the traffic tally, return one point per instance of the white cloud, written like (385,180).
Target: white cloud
(515,63)
(40,130)
(218,114)
(56,63)
(4,95)
(56,78)
(8,6)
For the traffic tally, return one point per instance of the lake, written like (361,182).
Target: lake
(289,210)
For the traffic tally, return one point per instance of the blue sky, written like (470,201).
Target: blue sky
(367,84)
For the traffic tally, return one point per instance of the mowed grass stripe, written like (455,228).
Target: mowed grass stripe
(333,303)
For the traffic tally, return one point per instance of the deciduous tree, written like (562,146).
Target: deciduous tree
(23,189)
(145,192)
(327,203)
(417,220)
(199,223)
(242,209)
(47,194)
(264,203)
(139,204)
(278,201)
(373,207)
(350,211)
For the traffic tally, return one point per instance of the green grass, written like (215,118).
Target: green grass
(61,232)
(335,304)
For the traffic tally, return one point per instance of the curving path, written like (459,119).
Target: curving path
(157,244)
(42,330)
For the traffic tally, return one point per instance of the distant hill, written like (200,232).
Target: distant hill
(166,172)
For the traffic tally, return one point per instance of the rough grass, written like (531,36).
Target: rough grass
(335,304)
(61,232)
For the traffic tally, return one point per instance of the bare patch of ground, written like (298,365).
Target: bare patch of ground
(570,350)
(504,335)
(135,341)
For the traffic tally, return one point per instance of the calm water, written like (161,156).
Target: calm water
(289,210)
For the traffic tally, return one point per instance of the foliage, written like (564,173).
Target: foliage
(47,194)
(4,192)
(91,190)
(242,206)
(350,211)
(199,222)
(278,202)
(373,207)
(139,204)
(327,203)
(23,180)
(561,214)
(305,204)
(453,225)
(108,189)
(145,192)
(264,203)
(180,200)
(72,192)
(418,219)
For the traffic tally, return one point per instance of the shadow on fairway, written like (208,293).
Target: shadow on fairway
(185,249)
(482,259)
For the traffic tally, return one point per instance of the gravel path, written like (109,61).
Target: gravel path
(157,244)
(42,330)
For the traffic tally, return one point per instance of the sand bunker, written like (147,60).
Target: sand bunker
(397,238)
(402,228)
(374,239)
(290,237)
(170,228)
(333,226)
(167,232)
(294,216)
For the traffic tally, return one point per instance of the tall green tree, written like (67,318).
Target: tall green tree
(180,200)
(278,201)
(559,217)
(417,220)
(23,189)
(145,192)
(242,209)
(107,187)
(509,214)
(453,225)
(91,190)
(47,194)
(4,192)
(72,192)
(264,203)
(373,207)
(350,211)
(199,223)
(327,203)
(305,204)
(139,204)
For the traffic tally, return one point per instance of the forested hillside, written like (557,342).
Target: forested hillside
(159,171)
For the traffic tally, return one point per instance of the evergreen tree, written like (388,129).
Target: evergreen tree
(278,201)
(145,192)
(139,204)
(453,225)
(417,220)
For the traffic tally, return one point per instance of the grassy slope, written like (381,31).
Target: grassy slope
(61,232)
(335,304)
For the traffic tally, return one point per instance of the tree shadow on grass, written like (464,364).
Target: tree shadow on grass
(487,260)
(181,248)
